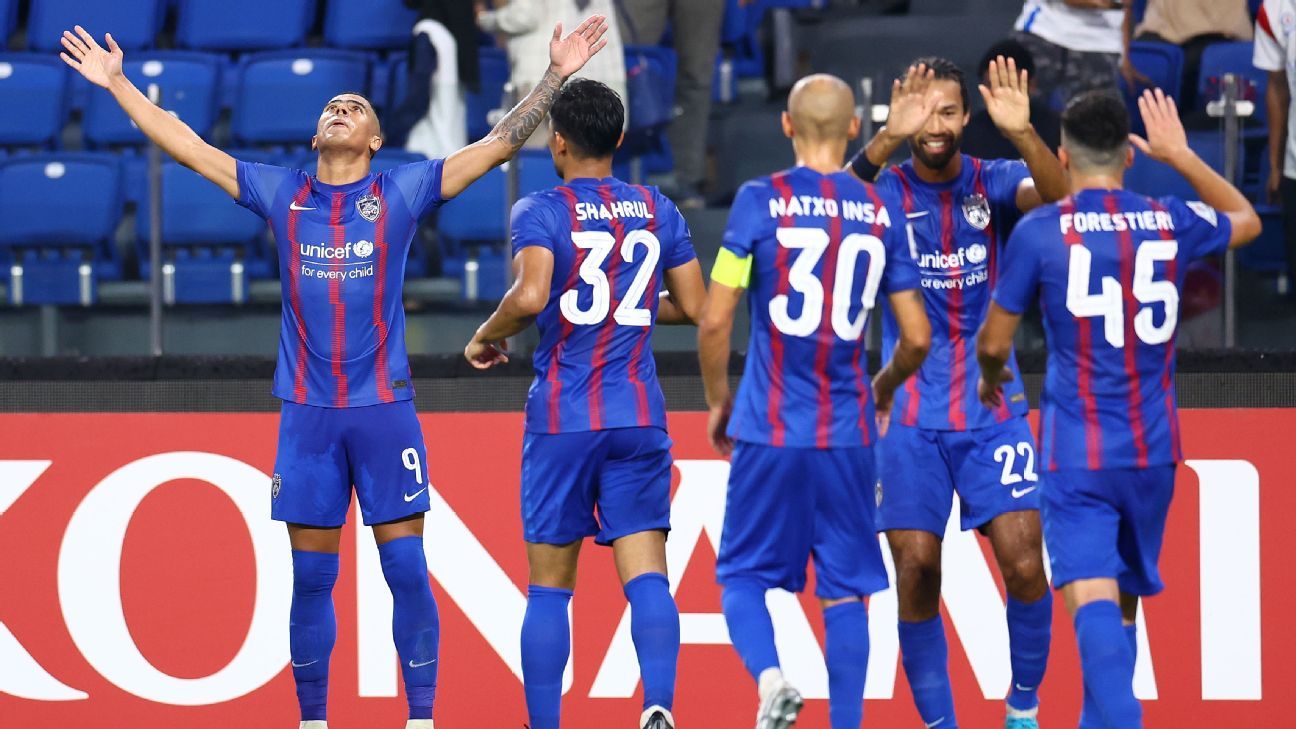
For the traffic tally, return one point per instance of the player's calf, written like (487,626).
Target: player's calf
(416,625)
(312,631)
(655,630)
(846,651)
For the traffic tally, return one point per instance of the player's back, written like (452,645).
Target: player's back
(822,247)
(1111,265)
(612,243)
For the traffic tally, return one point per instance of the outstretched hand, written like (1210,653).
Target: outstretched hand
(1007,98)
(568,55)
(91,60)
(1166,138)
(912,101)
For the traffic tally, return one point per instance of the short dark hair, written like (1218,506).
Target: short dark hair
(1009,48)
(1096,124)
(947,70)
(590,116)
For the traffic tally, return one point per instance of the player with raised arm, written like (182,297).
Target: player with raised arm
(958,210)
(598,263)
(1108,267)
(343,374)
(815,247)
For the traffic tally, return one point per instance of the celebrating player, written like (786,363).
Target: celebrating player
(958,210)
(1109,266)
(591,257)
(343,374)
(815,246)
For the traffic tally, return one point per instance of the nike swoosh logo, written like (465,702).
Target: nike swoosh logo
(412,664)
(911,216)
(938,722)
(1024,688)
(295,206)
(295,664)
(1017,495)
(411,497)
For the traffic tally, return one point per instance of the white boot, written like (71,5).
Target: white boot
(419,724)
(316,724)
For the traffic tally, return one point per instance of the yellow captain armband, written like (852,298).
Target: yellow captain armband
(731,270)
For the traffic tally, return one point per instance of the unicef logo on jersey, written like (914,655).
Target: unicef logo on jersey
(363,249)
(976,253)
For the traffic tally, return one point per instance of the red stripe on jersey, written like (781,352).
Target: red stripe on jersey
(1084,362)
(958,368)
(777,427)
(599,358)
(826,336)
(555,382)
(1131,309)
(1001,412)
(1168,369)
(294,291)
(1262,21)
(339,304)
(861,352)
(913,398)
(643,417)
(381,376)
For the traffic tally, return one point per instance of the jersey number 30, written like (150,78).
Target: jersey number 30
(1109,303)
(630,312)
(812,242)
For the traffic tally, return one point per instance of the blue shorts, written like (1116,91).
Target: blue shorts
(324,451)
(623,473)
(993,470)
(1107,523)
(786,505)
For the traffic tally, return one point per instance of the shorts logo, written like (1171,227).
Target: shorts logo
(369,207)
(977,211)
(275,483)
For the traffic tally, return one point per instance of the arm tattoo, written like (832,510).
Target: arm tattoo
(522,121)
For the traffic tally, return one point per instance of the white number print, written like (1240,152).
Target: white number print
(1109,304)
(1007,455)
(812,242)
(632,310)
(410,458)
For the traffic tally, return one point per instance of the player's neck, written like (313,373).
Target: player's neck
(587,169)
(949,172)
(1095,181)
(822,158)
(342,169)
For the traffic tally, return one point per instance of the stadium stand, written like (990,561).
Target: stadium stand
(133,23)
(368,24)
(41,82)
(281,93)
(189,82)
(1162,64)
(243,25)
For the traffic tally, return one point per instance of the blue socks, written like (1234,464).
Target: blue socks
(546,645)
(847,652)
(1108,666)
(1030,628)
(416,625)
(925,656)
(312,629)
(655,629)
(750,628)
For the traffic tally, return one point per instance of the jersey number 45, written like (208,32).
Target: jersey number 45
(1110,303)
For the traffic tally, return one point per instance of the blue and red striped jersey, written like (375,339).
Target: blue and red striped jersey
(822,248)
(342,251)
(955,233)
(1108,266)
(611,243)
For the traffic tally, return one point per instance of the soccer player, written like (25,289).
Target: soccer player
(1109,266)
(592,257)
(958,210)
(343,374)
(815,246)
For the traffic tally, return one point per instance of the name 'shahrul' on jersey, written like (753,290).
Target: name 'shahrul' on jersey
(826,207)
(1118,222)
(614,210)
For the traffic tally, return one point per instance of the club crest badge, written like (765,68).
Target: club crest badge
(275,484)
(977,211)
(369,207)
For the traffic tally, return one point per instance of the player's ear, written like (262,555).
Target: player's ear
(1129,156)
(1064,158)
(853,131)
(620,140)
(314,143)
(560,144)
(375,144)
(788,131)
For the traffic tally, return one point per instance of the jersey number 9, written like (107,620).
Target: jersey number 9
(1110,303)
(631,311)
(812,242)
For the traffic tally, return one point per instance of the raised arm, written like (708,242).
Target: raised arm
(103,68)
(566,56)
(1167,142)
(1007,99)
(912,102)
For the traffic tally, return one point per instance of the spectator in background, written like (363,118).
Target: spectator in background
(1076,45)
(1275,52)
(528,24)
(1191,25)
(981,138)
(695,25)
(432,118)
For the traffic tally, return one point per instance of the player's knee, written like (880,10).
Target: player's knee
(918,569)
(1023,575)
(314,573)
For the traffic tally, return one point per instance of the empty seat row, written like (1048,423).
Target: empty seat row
(1162,64)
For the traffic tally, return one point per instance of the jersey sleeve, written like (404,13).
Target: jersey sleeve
(901,272)
(677,250)
(259,184)
(1002,178)
(746,218)
(1200,229)
(1019,273)
(1270,47)
(530,225)
(420,184)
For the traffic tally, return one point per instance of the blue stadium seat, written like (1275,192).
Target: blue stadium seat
(38,82)
(535,171)
(478,213)
(8,19)
(1151,178)
(282,93)
(494,76)
(243,25)
(133,23)
(1162,63)
(375,24)
(211,243)
(60,213)
(380,80)
(1266,253)
(189,83)
(1235,58)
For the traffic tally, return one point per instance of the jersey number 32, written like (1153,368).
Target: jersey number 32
(631,311)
